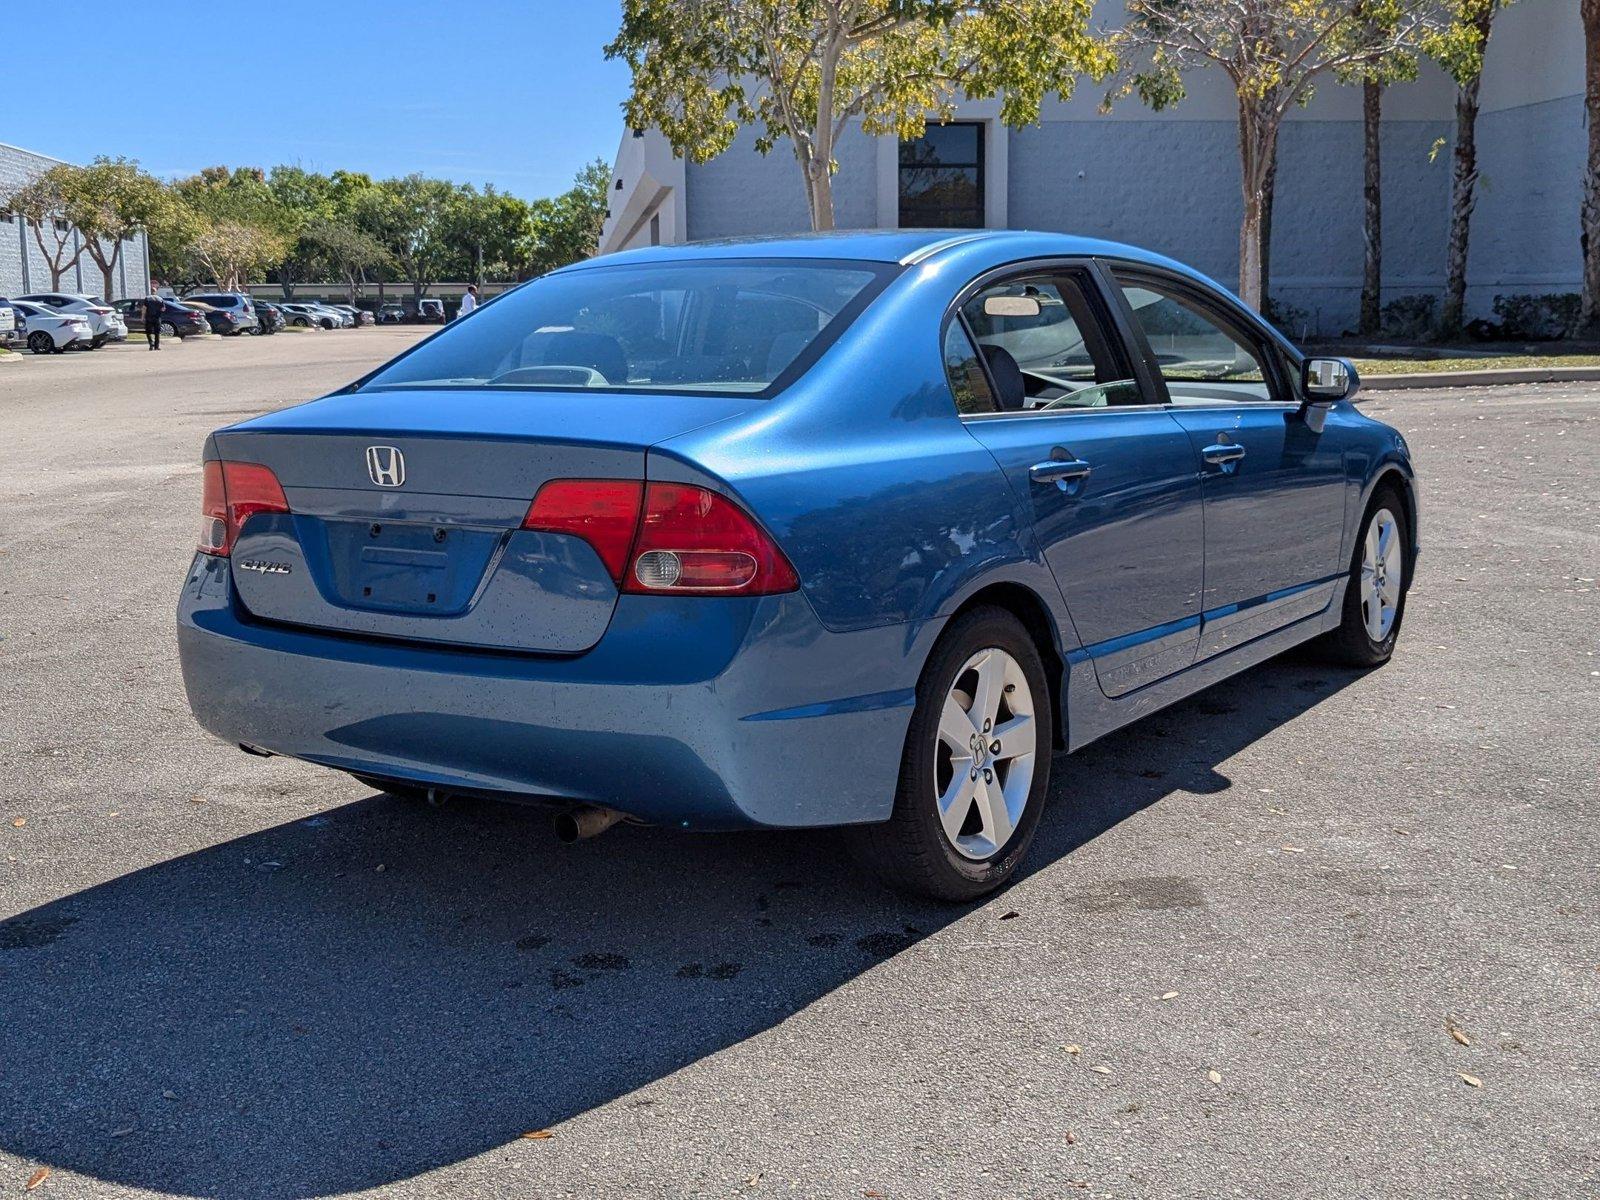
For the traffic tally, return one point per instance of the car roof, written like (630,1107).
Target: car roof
(976,250)
(902,246)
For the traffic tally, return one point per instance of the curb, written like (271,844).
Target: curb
(1491,378)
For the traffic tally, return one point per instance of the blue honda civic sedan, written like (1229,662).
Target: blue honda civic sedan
(855,530)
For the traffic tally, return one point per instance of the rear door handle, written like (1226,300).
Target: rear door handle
(1221,453)
(1057,470)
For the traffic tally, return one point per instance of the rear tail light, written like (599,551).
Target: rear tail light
(603,512)
(665,538)
(232,494)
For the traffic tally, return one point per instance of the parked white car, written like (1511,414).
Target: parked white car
(105,324)
(49,331)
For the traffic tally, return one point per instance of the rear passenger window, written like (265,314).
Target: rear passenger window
(1201,355)
(967,381)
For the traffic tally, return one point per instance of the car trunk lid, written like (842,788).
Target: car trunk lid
(406,510)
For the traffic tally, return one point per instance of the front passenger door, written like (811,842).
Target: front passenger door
(1107,477)
(1274,489)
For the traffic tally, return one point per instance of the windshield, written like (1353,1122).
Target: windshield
(732,326)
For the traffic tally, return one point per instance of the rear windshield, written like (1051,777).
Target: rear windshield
(742,326)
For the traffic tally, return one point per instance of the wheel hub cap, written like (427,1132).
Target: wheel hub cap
(984,754)
(1382,573)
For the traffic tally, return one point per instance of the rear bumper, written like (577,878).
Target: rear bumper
(700,713)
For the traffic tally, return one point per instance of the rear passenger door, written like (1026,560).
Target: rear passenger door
(1274,489)
(1044,381)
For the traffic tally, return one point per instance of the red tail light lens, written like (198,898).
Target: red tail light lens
(665,538)
(603,512)
(693,540)
(233,492)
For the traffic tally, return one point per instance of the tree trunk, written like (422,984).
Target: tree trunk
(107,264)
(1590,238)
(1258,153)
(1372,218)
(1269,191)
(1463,191)
(819,170)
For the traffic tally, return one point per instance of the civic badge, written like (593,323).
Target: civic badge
(386,465)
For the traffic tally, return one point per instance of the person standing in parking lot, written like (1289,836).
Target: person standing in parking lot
(153,305)
(469,301)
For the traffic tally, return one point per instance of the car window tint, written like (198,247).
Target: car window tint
(1198,354)
(1044,329)
(968,384)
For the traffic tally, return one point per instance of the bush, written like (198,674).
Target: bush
(1291,319)
(1542,318)
(1408,317)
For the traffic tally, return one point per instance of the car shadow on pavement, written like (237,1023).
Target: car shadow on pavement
(356,998)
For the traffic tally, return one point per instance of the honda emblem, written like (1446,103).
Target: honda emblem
(386,465)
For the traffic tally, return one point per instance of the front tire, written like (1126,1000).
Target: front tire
(976,765)
(1375,596)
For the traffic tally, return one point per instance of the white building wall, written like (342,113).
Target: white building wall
(1170,181)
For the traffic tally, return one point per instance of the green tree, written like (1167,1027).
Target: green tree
(1459,48)
(1273,53)
(43,202)
(110,201)
(236,228)
(409,219)
(300,197)
(487,229)
(566,228)
(802,70)
(347,250)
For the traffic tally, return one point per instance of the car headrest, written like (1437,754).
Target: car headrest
(1011,394)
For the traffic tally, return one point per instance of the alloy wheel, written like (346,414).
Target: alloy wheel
(40,342)
(984,756)
(1382,573)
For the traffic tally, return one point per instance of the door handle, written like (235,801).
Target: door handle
(1059,470)
(1222,453)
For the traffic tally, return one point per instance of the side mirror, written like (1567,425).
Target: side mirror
(1328,380)
(1324,382)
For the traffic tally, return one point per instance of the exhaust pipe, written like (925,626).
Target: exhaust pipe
(585,821)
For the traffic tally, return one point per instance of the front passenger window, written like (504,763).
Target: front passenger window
(1200,356)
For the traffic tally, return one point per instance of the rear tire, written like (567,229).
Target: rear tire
(168,329)
(40,342)
(1375,595)
(964,813)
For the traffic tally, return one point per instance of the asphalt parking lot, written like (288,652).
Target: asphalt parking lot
(1246,932)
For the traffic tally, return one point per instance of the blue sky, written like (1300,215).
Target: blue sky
(489,91)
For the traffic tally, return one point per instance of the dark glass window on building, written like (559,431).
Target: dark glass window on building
(941,178)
